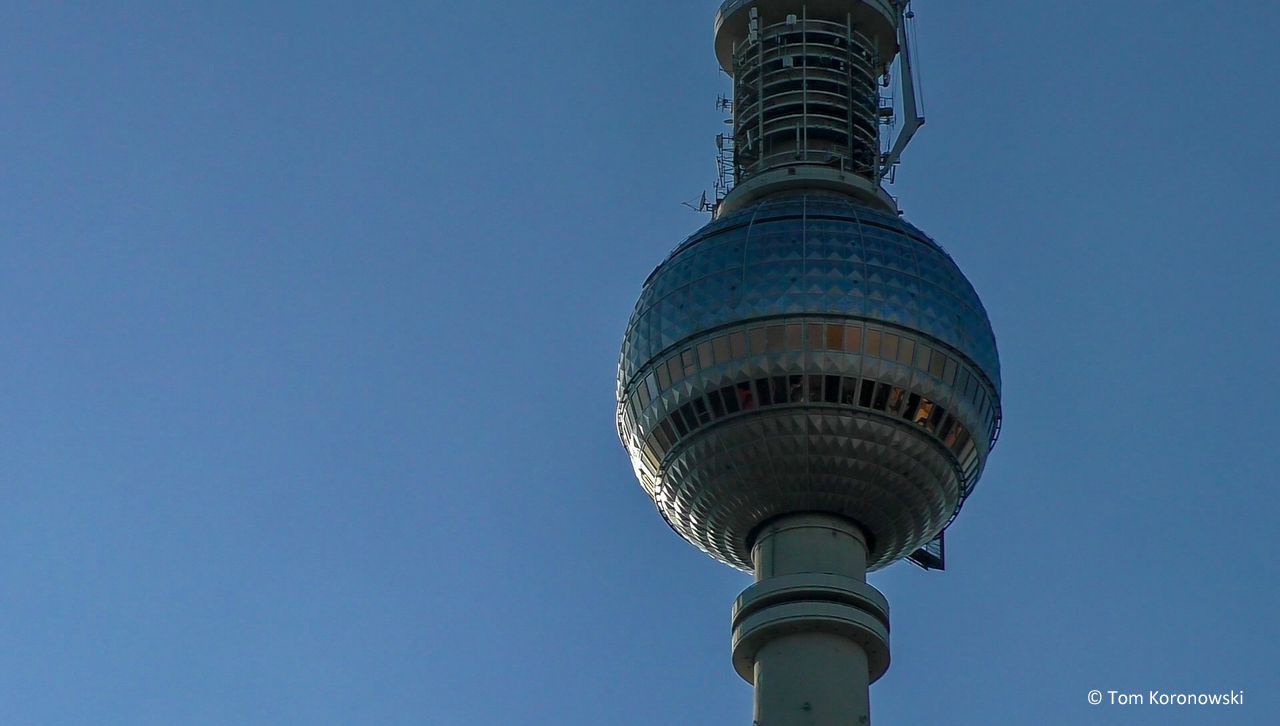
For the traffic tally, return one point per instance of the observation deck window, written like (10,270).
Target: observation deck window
(730,396)
(721,347)
(706,357)
(774,339)
(889,346)
(835,337)
(906,351)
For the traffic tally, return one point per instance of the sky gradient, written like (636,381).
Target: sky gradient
(312,311)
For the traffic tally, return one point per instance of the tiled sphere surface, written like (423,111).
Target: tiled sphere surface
(804,354)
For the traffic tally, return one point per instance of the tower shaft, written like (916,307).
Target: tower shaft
(811,635)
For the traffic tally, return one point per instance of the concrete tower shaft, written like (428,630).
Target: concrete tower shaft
(807,105)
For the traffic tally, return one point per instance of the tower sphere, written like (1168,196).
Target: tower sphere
(807,352)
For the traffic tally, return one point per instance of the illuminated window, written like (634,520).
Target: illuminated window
(889,347)
(794,337)
(873,343)
(706,358)
(853,339)
(738,344)
(906,351)
(896,398)
(924,414)
(835,337)
(721,346)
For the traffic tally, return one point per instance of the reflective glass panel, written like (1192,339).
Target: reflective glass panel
(700,410)
(764,392)
(865,398)
(882,397)
(815,339)
(814,394)
(938,364)
(775,339)
(706,358)
(853,339)
(795,340)
(675,369)
(889,346)
(721,346)
(906,351)
(730,396)
(873,343)
(717,406)
(835,337)
(831,393)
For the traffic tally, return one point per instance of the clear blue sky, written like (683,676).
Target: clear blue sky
(311,313)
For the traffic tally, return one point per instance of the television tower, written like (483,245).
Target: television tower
(809,387)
